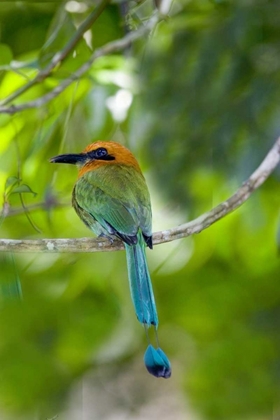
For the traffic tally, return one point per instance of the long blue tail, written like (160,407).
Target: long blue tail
(142,294)
(10,290)
(140,283)
(10,287)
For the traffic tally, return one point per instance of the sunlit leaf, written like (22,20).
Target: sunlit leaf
(22,189)
(11,181)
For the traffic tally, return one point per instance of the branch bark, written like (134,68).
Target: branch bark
(195,226)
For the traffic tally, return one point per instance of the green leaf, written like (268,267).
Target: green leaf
(6,54)
(11,181)
(23,189)
(61,30)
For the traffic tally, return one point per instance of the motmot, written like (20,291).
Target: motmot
(111,197)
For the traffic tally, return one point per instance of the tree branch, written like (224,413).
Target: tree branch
(58,57)
(195,226)
(111,47)
(44,205)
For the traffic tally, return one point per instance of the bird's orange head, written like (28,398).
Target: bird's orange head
(99,154)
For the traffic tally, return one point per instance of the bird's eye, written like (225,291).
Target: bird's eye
(100,152)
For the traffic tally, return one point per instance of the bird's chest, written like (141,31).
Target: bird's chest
(113,198)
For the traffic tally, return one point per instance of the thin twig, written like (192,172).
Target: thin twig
(195,226)
(111,47)
(61,55)
(44,205)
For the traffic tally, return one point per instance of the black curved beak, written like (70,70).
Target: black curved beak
(73,159)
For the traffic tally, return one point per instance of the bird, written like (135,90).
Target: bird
(111,197)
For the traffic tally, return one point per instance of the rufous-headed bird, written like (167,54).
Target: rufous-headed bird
(111,197)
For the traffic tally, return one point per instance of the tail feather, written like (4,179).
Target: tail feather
(10,290)
(10,287)
(140,283)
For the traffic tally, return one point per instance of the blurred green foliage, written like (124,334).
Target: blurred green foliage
(204,111)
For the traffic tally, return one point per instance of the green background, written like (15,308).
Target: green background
(198,104)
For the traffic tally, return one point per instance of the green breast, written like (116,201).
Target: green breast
(116,195)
